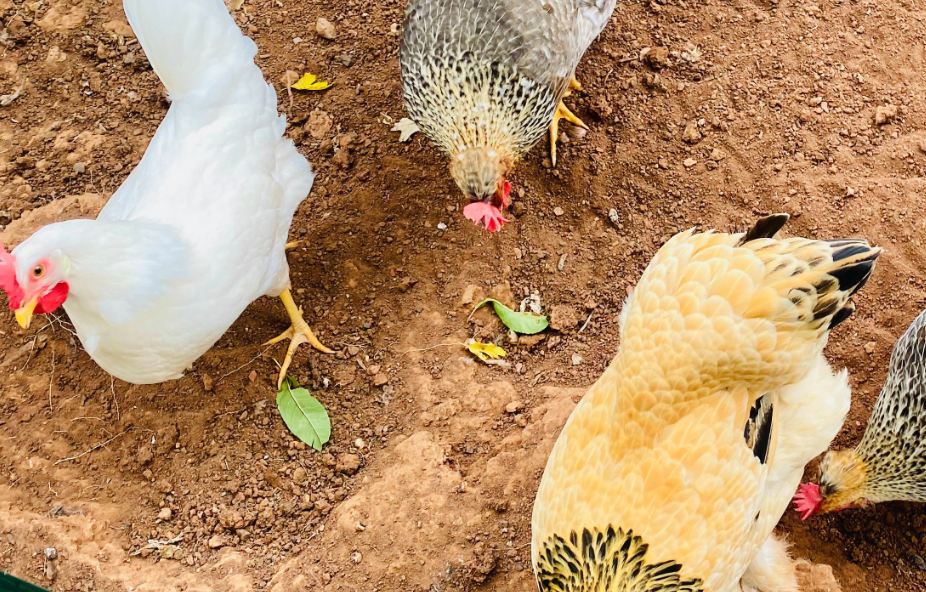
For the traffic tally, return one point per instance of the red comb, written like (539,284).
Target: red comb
(490,215)
(808,499)
(8,279)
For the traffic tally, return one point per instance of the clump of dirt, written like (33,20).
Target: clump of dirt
(702,113)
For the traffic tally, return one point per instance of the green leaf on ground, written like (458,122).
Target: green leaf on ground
(519,322)
(303,414)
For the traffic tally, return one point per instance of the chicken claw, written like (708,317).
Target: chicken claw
(563,112)
(298,333)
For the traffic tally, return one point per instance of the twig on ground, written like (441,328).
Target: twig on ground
(98,446)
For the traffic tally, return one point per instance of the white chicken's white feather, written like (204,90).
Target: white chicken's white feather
(198,230)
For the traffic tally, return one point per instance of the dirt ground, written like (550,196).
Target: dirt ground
(428,481)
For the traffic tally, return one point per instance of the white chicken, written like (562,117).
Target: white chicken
(198,230)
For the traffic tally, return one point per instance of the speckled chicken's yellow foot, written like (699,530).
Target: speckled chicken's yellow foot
(562,112)
(298,334)
(294,244)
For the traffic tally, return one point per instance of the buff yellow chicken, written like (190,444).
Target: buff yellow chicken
(674,469)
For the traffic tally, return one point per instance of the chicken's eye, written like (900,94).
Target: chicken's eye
(38,271)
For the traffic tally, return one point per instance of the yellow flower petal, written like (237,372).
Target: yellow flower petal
(309,82)
(484,351)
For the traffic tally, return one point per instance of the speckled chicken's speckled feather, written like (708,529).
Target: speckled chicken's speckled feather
(894,445)
(696,435)
(491,72)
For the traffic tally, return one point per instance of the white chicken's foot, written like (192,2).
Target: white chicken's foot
(563,112)
(298,334)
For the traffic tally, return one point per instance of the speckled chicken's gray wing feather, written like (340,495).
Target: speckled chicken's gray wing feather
(544,39)
(894,444)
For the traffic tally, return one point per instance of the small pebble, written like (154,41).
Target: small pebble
(325,28)
(558,211)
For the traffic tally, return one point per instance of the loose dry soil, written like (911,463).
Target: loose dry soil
(739,109)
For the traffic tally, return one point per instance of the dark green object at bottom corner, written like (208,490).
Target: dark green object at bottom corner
(10,583)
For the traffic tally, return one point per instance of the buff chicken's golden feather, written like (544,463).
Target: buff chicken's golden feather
(674,469)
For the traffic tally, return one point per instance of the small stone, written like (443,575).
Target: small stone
(326,28)
(380,379)
(614,216)
(514,407)
(885,114)
(252,376)
(563,318)
(812,577)
(353,350)
(231,519)
(689,162)
(208,383)
(356,557)
(531,340)
(165,514)
(348,463)
(407,284)
(318,124)
(518,209)
(469,294)
(576,359)
(558,211)
(51,553)
(373,370)
(164,486)
(691,134)
(656,58)
(299,475)
(919,562)
(717,154)
(80,168)
(217,542)
(50,571)
(870,347)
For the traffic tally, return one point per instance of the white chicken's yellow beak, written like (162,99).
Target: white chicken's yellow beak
(24,313)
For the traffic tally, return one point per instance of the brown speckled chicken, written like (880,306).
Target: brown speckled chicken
(675,467)
(890,462)
(485,79)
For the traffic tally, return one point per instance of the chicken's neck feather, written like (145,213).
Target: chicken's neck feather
(116,269)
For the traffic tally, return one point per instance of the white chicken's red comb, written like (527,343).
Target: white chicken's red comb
(808,499)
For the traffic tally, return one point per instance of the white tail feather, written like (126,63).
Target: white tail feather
(191,44)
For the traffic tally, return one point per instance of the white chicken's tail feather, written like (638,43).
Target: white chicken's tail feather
(191,44)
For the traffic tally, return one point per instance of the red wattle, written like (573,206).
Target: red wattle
(51,301)
(485,213)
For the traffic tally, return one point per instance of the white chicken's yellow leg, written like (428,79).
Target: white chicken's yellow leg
(563,112)
(299,333)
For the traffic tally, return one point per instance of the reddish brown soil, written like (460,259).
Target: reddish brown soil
(428,481)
